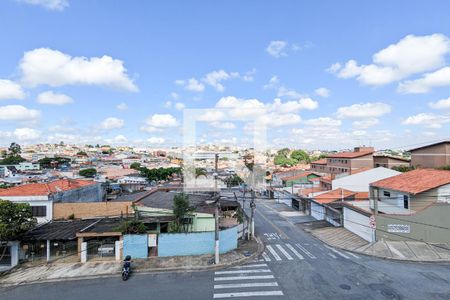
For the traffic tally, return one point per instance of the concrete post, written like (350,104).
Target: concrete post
(117,248)
(14,253)
(84,252)
(48,250)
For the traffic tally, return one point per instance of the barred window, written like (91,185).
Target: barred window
(39,211)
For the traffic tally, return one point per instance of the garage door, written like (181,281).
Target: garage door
(358,224)
(317,211)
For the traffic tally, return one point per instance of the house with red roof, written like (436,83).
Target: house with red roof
(42,196)
(413,206)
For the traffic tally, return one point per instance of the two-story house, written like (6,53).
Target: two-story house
(413,206)
(431,156)
(345,162)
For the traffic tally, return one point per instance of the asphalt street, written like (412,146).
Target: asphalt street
(294,265)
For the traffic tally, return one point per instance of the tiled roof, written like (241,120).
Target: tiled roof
(301,175)
(429,145)
(416,181)
(333,195)
(44,189)
(322,161)
(325,179)
(350,154)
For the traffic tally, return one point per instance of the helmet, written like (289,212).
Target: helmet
(127,257)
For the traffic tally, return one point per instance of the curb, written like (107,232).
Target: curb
(148,271)
(377,256)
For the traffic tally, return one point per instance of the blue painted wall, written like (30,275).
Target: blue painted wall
(195,243)
(135,245)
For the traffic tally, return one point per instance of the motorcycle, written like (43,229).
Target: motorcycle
(126,268)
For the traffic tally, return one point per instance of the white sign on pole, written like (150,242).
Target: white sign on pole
(152,240)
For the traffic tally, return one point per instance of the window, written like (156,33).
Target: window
(39,211)
(386,194)
(405,202)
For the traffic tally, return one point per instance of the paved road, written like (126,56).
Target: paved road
(294,266)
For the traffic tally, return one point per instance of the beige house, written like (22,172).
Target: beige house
(387,161)
(345,162)
(431,156)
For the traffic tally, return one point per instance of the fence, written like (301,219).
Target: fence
(135,245)
(196,243)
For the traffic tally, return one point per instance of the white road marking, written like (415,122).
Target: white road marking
(294,251)
(249,294)
(272,251)
(305,251)
(250,266)
(243,277)
(337,252)
(244,285)
(332,255)
(266,257)
(242,271)
(288,256)
(352,254)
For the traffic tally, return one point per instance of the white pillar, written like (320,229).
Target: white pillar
(117,248)
(84,252)
(48,250)
(14,253)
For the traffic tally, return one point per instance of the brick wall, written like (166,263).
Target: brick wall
(91,209)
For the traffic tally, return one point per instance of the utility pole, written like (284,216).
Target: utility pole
(217,209)
(252,216)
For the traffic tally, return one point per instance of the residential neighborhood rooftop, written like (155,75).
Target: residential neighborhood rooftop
(416,181)
(353,154)
(429,145)
(44,189)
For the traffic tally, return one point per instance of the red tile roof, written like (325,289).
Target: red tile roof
(322,161)
(350,154)
(333,195)
(416,181)
(44,189)
(301,175)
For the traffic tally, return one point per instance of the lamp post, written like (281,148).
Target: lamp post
(252,215)
(216,214)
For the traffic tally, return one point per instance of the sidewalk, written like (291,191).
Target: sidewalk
(399,250)
(29,273)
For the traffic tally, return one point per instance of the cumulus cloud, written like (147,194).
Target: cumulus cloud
(180,106)
(191,84)
(223,125)
(111,123)
(366,123)
(411,55)
(10,90)
(156,140)
(158,122)
(441,104)
(277,48)
(18,113)
(26,134)
(120,139)
(322,92)
(428,120)
(323,121)
(426,83)
(58,5)
(54,68)
(363,110)
(52,98)
(122,106)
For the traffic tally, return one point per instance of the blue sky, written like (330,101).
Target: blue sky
(324,74)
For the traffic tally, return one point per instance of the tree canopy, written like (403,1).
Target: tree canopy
(13,155)
(90,172)
(15,219)
(159,174)
(181,208)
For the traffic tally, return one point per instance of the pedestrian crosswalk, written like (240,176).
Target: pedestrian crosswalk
(251,280)
(297,251)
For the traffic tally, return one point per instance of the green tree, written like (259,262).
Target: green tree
(135,166)
(234,180)
(82,153)
(300,156)
(90,172)
(200,172)
(15,219)
(181,208)
(15,149)
(403,169)
(132,227)
(284,161)
(13,156)
(284,152)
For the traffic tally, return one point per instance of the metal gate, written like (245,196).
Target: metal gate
(104,248)
(333,216)
(5,255)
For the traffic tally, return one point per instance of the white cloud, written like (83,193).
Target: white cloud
(428,120)
(363,110)
(10,90)
(58,5)
(411,55)
(215,78)
(277,48)
(122,106)
(111,123)
(323,121)
(359,132)
(120,139)
(274,82)
(162,121)
(54,68)
(174,95)
(156,140)
(285,92)
(52,98)
(366,123)
(212,115)
(428,81)
(168,104)
(294,106)
(322,92)
(26,134)
(18,113)
(191,84)
(441,104)
(180,106)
